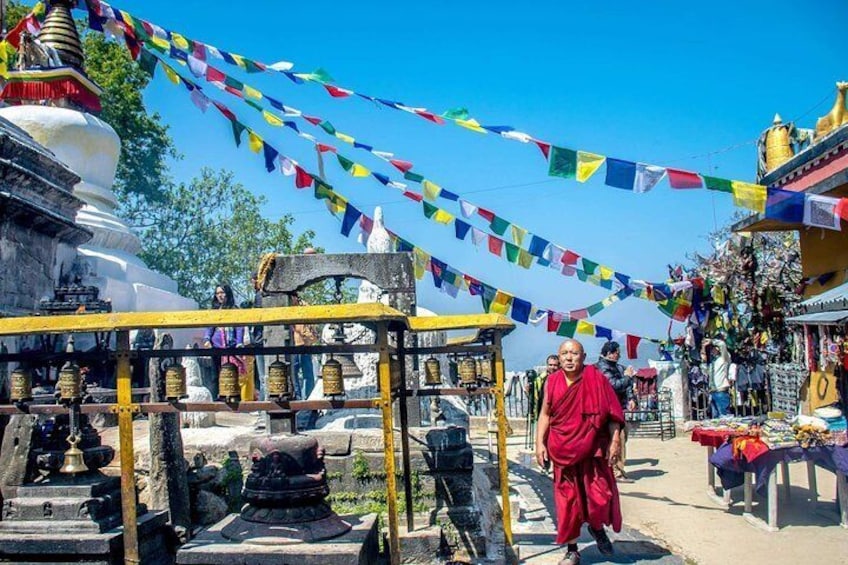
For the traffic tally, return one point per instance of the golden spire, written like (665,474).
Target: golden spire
(59,31)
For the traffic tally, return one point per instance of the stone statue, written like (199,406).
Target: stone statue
(35,54)
(196,393)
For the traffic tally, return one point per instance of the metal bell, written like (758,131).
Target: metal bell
(175,382)
(432,372)
(20,385)
(228,383)
(278,380)
(468,372)
(74,461)
(332,379)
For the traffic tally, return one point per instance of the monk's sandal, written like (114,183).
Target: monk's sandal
(602,541)
(571,558)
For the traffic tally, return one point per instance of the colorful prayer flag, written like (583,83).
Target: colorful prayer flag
(647,177)
(684,179)
(585,328)
(588,164)
(563,163)
(750,196)
(620,174)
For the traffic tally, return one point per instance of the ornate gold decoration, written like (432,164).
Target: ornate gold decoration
(278,380)
(837,117)
(60,32)
(331,377)
(778,144)
(70,383)
(20,385)
(266,267)
(228,383)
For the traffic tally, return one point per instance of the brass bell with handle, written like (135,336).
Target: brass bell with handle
(74,462)
(228,383)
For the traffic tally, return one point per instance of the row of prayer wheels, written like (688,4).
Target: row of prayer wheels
(69,385)
(473,372)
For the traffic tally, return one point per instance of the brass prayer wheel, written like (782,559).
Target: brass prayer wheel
(468,372)
(486,369)
(175,382)
(278,380)
(432,372)
(20,385)
(331,377)
(228,383)
(70,383)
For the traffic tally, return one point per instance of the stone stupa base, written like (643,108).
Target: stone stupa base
(329,541)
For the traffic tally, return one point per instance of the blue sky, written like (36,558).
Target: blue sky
(684,85)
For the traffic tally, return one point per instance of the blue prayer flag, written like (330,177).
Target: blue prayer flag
(461,228)
(785,205)
(447,194)
(351,216)
(382,178)
(603,332)
(270,156)
(362,146)
(520,310)
(538,246)
(620,174)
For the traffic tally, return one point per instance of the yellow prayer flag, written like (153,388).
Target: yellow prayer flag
(239,60)
(750,196)
(171,74)
(420,259)
(344,137)
(500,303)
(271,118)
(442,217)
(525,259)
(179,40)
(4,58)
(251,92)
(471,124)
(606,273)
(38,9)
(518,234)
(431,190)
(254,142)
(587,164)
(359,171)
(160,42)
(585,328)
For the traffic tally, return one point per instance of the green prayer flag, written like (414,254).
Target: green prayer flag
(583,277)
(238,128)
(563,163)
(328,127)
(721,185)
(525,259)
(512,252)
(147,61)
(346,163)
(429,209)
(498,225)
(456,114)
(251,67)
(414,177)
(595,308)
(321,75)
(254,104)
(449,277)
(567,328)
(233,83)
(589,266)
(323,191)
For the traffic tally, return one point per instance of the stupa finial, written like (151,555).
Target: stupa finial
(60,32)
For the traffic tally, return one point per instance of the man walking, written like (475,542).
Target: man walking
(579,431)
(715,356)
(622,384)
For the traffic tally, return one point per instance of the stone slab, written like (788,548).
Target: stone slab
(422,546)
(358,547)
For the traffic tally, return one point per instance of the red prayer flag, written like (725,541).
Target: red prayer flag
(632,346)
(570,257)
(336,92)
(684,179)
(487,214)
(233,91)
(302,178)
(402,166)
(544,147)
(495,245)
(214,75)
(366,223)
(430,116)
(324,148)
(312,120)
(581,314)
(224,110)
(413,196)
(553,323)
(842,208)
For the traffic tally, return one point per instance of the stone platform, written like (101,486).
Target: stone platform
(58,546)
(359,546)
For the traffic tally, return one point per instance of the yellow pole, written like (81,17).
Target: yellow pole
(388,440)
(125,435)
(503,467)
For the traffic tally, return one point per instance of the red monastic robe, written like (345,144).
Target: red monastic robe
(578,438)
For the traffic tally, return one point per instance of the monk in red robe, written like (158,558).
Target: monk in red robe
(579,431)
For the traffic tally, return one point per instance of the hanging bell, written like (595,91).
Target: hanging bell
(278,381)
(332,379)
(175,382)
(486,370)
(228,383)
(74,461)
(70,383)
(432,372)
(20,385)
(468,372)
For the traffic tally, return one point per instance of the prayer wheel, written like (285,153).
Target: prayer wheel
(479,368)
(70,383)
(432,372)
(468,372)
(331,376)
(394,373)
(20,385)
(486,369)
(175,382)
(278,380)
(228,383)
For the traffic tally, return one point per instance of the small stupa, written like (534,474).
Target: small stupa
(55,105)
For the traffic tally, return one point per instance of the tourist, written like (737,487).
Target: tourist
(715,356)
(579,431)
(622,384)
(225,337)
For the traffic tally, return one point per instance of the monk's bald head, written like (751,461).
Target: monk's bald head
(571,357)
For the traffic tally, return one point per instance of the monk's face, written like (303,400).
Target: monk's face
(571,356)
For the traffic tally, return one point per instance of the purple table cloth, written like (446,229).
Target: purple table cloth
(731,471)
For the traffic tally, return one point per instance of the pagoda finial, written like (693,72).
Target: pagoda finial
(60,32)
